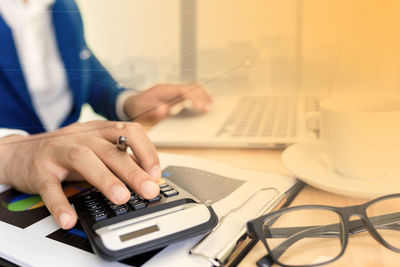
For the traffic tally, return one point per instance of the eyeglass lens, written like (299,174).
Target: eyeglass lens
(304,236)
(385,217)
(314,235)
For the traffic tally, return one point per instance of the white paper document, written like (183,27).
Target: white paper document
(30,237)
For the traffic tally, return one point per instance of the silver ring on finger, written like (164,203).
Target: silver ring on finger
(122,143)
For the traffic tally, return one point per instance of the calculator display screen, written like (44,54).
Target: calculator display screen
(138,233)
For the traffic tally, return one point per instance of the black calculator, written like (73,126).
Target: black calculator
(121,231)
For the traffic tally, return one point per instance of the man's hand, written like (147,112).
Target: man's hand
(39,163)
(155,103)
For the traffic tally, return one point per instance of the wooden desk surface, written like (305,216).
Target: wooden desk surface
(362,249)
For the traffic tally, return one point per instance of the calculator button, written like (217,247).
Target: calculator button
(109,203)
(92,203)
(89,198)
(134,201)
(99,216)
(134,196)
(137,204)
(94,207)
(114,206)
(163,185)
(165,189)
(170,193)
(121,210)
(154,199)
(93,212)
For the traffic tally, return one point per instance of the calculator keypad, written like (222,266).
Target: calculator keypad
(100,208)
(95,208)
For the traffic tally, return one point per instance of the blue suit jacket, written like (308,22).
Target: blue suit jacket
(87,78)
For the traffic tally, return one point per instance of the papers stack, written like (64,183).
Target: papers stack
(35,244)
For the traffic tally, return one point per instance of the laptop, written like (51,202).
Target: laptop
(238,121)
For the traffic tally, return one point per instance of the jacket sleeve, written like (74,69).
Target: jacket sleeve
(103,90)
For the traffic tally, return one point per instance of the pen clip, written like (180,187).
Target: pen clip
(227,249)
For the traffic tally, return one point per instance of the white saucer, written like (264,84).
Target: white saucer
(307,162)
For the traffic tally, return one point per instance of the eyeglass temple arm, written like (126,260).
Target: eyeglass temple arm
(388,221)
(383,221)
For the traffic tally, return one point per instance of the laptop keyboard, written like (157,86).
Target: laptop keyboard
(266,116)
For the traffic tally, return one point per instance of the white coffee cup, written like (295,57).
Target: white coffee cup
(360,136)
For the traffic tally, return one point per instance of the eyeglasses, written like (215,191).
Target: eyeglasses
(313,235)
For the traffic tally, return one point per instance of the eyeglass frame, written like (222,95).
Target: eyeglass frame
(255,227)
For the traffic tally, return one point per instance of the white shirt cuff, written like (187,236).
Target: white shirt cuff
(122,97)
(7,132)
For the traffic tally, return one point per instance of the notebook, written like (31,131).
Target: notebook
(238,121)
